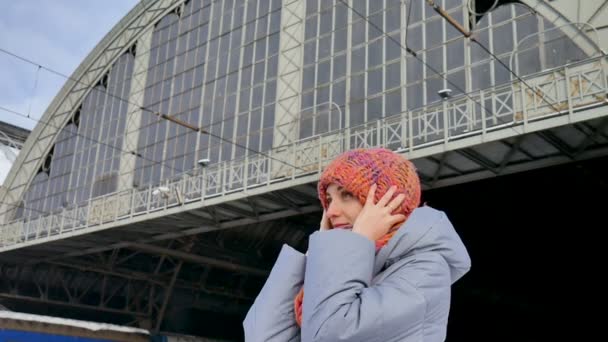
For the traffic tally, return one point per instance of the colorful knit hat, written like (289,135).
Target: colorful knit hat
(357,170)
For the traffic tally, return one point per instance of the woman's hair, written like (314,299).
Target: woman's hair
(357,170)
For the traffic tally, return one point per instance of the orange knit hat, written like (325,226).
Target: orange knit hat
(357,170)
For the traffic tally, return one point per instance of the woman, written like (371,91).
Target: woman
(379,269)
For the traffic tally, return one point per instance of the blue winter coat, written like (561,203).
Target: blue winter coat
(352,294)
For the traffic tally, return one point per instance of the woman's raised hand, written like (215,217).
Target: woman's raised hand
(375,219)
(325,224)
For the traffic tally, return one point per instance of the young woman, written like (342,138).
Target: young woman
(380,268)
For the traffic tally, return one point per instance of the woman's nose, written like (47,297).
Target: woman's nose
(333,209)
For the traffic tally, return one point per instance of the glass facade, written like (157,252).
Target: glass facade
(101,125)
(440,46)
(85,159)
(215,64)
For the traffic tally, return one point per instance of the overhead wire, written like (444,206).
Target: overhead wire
(158,114)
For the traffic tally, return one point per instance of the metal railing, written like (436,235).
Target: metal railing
(570,89)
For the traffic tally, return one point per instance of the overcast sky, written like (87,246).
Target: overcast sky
(57,34)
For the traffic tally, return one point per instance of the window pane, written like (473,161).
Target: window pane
(503,39)
(358,60)
(374,82)
(434,33)
(323,72)
(339,66)
(374,109)
(393,75)
(357,87)
(455,54)
(393,102)
(375,53)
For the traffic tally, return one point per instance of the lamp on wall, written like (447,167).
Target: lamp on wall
(161,191)
(445,93)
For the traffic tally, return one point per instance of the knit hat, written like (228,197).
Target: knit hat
(357,170)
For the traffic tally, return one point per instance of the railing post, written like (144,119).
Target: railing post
(404,133)
(246,172)
(149,198)
(482,101)
(132,202)
(293,153)
(62,221)
(103,209)
(36,227)
(378,133)
(269,175)
(203,179)
(524,107)
(319,162)
(446,123)
(410,126)
(568,92)
(223,177)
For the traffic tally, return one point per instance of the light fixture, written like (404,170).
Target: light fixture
(203,162)
(162,191)
(445,93)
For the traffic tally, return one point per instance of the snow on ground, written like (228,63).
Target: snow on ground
(69,322)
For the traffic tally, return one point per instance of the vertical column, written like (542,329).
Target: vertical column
(134,112)
(405,132)
(289,82)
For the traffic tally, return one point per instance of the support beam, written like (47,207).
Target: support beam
(304,192)
(514,148)
(235,210)
(439,167)
(279,198)
(130,274)
(597,132)
(479,159)
(198,259)
(447,165)
(169,289)
(556,142)
(168,293)
(254,207)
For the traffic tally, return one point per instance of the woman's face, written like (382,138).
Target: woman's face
(342,207)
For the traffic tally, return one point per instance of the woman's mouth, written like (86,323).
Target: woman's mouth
(343,226)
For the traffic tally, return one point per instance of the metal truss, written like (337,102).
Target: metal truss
(79,286)
(109,282)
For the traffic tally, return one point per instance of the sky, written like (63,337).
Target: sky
(57,34)
(7,158)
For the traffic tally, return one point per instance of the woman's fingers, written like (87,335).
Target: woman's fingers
(394,219)
(387,197)
(396,202)
(325,224)
(370,195)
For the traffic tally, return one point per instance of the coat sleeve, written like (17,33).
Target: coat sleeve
(271,317)
(340,304)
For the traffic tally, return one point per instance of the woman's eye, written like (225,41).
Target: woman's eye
(347,195)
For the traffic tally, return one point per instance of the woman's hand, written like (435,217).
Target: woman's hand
(375,219)
(325,223)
